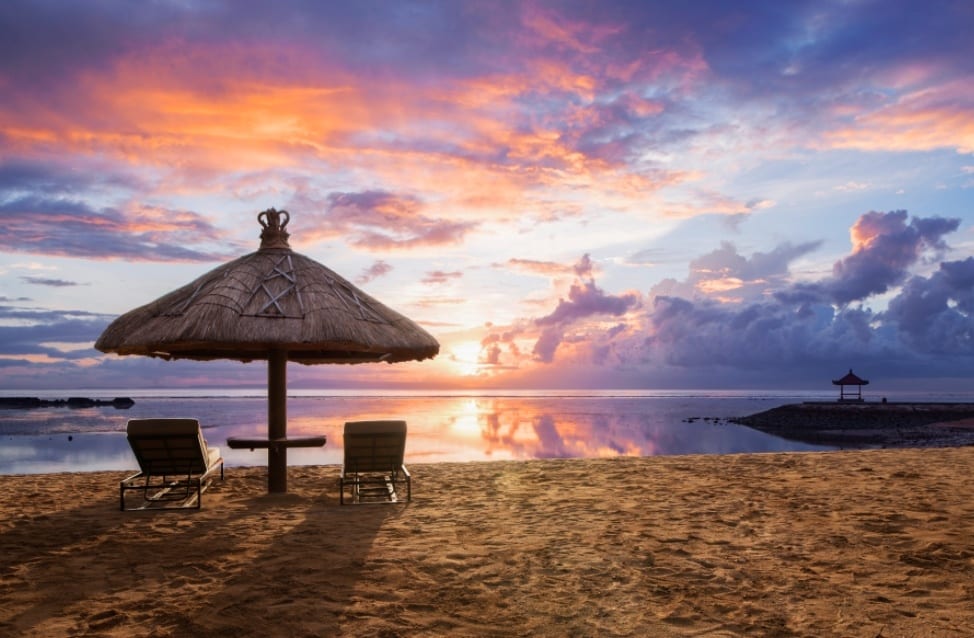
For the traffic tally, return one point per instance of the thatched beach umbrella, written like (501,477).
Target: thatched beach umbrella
(273,304)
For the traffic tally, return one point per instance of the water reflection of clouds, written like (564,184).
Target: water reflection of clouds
(77,452)
(61,420)
(528,430)
(441,429)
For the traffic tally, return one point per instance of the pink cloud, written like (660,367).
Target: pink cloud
(939,116)
(382,221)
(441,277)
(533,266)
(376,270)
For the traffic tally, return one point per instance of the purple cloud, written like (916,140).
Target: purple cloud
(885,247)
(800,333)
(727,262)
(929,319)
(55,283)
(70,228)
(584,267)
(376,270)
(585,299)
(546,345)
(377,220)
(28,329)
(31,176)
(936,314)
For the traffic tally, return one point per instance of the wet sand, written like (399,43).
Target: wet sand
(867,543)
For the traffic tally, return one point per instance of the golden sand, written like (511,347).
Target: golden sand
(871,544)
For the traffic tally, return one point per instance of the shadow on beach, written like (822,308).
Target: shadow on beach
(243,565)
(799,544)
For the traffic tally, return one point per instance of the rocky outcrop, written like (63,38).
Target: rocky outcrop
(865,425)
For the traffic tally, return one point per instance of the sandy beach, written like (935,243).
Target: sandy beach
(867,543)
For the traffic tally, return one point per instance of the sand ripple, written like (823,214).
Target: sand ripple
(870,543)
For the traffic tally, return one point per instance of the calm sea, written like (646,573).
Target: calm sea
(443,426)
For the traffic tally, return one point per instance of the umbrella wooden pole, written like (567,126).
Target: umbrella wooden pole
(277,420)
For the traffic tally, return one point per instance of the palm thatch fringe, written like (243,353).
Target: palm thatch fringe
(273,299)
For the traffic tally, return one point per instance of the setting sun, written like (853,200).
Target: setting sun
(465,357)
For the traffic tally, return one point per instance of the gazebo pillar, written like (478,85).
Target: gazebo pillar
(277,420)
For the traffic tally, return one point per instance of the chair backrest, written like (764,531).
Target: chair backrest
(168,446)
(374,446)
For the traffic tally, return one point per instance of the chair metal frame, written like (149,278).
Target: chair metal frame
(176,473)
(373,467)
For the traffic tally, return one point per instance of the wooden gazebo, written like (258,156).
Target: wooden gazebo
(850,380)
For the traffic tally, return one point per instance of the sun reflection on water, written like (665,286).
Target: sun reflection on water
(441,429)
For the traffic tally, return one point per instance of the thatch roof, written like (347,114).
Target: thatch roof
(273,299)
(850,379)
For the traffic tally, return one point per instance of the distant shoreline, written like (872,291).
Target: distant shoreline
(26,403)
(863,425)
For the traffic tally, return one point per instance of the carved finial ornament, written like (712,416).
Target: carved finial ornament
(274,222)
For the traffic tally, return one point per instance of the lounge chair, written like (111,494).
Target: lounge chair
(373,469)
(176,465)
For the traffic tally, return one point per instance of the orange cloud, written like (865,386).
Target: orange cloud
(937,117)
(547,268)
(204,118)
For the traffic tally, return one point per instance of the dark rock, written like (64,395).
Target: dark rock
(864,425)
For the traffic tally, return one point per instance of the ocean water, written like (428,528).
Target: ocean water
(443,426)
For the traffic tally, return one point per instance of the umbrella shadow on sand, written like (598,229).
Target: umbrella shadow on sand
(39,552)
(303,583)
(244,565)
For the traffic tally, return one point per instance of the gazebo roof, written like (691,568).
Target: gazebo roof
(850,379)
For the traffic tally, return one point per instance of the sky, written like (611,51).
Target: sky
(565,194)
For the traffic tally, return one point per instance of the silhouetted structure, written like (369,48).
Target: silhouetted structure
(850,380)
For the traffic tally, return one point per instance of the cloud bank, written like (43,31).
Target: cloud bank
(801,329)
